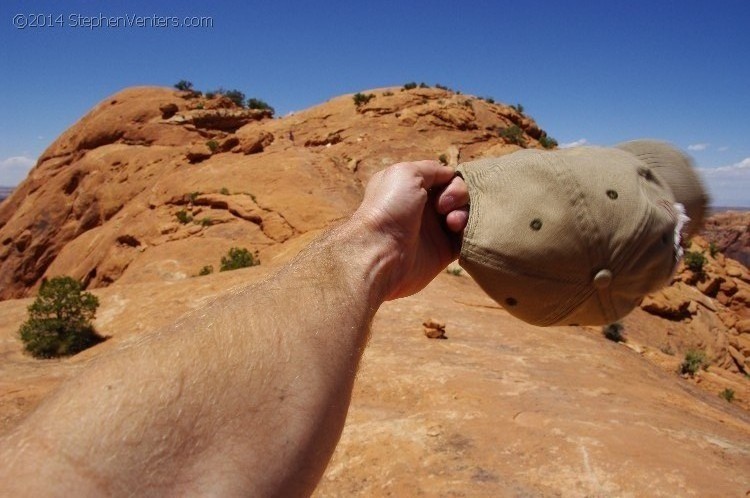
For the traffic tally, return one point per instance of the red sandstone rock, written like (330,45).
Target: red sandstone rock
(730,233)
(126,166)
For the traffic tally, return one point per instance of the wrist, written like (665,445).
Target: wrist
(366,258)
(370,256)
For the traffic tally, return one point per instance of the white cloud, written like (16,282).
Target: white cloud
(698,146)
(723,148)
(14,169)
(577,143)
(729,185)
(736,169)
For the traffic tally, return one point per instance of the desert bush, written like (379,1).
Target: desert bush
(183,217)
(210,95)
(253,103)
(513,134)
(224,191)
(518,107)
(443,158)
(206,270)
(387,93)
(727,394)
(213,145)
(59,322)
(410,86)
(184,85)
(454,270)
(192,196)
(695,359)
(613,332)
(441,87)
(424,85)
(205,222)
(712,249)
(361,99)
(235,96)
(547,142)
(238,258)
(695,261)
(489,100)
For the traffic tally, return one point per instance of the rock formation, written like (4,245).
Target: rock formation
(102,203)
(711,306)
(729,231)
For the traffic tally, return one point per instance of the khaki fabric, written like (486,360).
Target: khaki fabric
(572,236)
(678,171)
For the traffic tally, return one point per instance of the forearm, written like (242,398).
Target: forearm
(247,396)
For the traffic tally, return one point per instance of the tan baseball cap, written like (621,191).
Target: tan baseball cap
(573,236)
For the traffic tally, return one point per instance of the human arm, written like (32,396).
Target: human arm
(247,396)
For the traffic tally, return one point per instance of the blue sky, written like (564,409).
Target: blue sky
(594,72)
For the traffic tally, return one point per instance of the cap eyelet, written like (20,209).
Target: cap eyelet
(511,301)
(646,173)
(536,224)
(612,194)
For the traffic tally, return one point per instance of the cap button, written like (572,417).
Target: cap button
(603,279)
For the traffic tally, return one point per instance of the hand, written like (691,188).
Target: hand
(422,222)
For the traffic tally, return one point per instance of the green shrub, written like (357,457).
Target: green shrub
(489,100)
(59,321)
(613,332)
(387,93)
(206,270)
(547,142)
(235,96)
(192,196)
(695,261)
(238,258)
(712,249)
(206,222)
(518,108)
(513,134)
(454,270)
(213,145)
(210,95)
(727,394)
(443,158)
(183,217)
(695,359)
(361,99)
(441,87)
(424,85)
(224,191)
(254,103)
(410,86)
(184,85)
